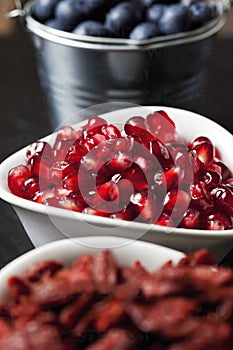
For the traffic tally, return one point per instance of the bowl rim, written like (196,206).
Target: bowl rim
(38,208)
(94,43)
(35,255)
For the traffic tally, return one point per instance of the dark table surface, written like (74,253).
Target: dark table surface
(24,118)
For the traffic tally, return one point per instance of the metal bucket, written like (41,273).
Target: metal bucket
(77,72)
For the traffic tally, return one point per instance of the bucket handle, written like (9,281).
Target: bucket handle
(18,11)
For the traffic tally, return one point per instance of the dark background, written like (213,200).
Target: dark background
(24,118)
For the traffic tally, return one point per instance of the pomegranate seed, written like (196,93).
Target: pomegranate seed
(70,182)
(76,152)
(137,178)
(125,214)
(66,133)
(61,192)
(162,154)
(16,178)
(95,124)
(40,167)
(165,220)
(125,191)
(41,196)
(204,149)
(60,149)
(111,132)
(191,219)
(119,162)
(225,171)
(95,212)
(60,170)
(161,126)
(30,187)
(171,178)
(223,198)
(108,191)
(135,126)
(176,203)
(228,181)
(218,221)
(64,203)
(199,140)
(42,149)
(211,179)
(123,144)
(200,197)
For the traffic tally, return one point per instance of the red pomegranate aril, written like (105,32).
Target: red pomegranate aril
(111,132)
(225,171)
(228,181)
(30,187)
(223,198)
(70,182)
(42,149)
(171,178)
(42,196)
(60,149)
(95,124)
(211,179)
(66,133)
(165,220)
(108,191)
(176,203)
(199,140)
(161,126)
(64,203)
(40,167)
(135,126)
(120,162)
(61,192)
(76,152)
(162,155)
(204,149)
(123,144)
(60,170)
(126,214)
(218,221)
(91,211)
(200,198)
(191,219)
(126,189)
(16,178)
(137,178)
(150,212)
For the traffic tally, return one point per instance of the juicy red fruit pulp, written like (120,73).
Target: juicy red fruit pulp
(143,173)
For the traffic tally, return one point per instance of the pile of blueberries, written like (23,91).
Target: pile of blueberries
(134,19)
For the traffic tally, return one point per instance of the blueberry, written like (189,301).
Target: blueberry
(43,9)
(149,3)
(175,19)
(144,30)
(155,12)
(121,19)
(69,13)
(54,23)
(200,13)
(92,28)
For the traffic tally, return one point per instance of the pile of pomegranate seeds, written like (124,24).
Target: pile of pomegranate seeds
(97,305)
(143,173)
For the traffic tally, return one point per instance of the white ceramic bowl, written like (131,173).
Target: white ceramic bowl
(45,224)
(125,251)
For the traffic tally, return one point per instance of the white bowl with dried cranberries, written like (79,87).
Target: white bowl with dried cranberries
(155,173)
(111,293)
